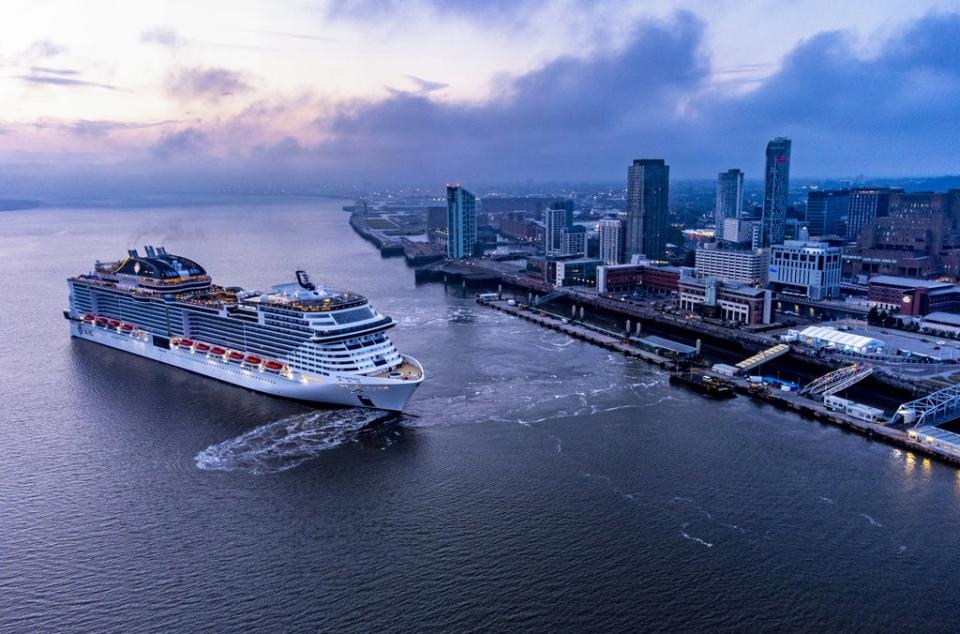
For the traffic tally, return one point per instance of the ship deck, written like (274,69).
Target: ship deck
(407,370)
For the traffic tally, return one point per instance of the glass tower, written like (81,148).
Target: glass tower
(776,186)
(461,222)
(648,182)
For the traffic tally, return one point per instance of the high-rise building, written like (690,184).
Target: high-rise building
(648,182)
(461,222)
(776,186)
(611,242)
(555,224)
(729,198)
(866,205)
(826,211)
(748,267)
(574,241)
(558,221)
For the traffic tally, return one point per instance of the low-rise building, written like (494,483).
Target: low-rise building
(908,296)
(810,269)
(947,324)
(627,278)
(570,271)
(730,301)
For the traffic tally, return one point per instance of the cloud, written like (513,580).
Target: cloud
(43,48)
(53,71)
(570,115)
(897,111)
(423,87)
(188,141)
(56,80)
(584,117)
(206,83)
(89,128)
(162,36)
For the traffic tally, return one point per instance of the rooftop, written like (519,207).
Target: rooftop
(952,319)
(909,282)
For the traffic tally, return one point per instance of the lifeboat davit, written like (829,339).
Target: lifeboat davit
(202,347)
(128,328)
(186,343)
(89,318)
(235,357)
(273,366)
(218,351)
(102,321)
(253,360)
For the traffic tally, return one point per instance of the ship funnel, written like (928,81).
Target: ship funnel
(150,252)
(304,280)
(132,253)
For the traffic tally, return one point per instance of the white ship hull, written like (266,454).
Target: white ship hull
(346,390)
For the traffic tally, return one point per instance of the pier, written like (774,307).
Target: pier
(911,440)
(584,332)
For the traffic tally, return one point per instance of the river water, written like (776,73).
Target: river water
(537,482)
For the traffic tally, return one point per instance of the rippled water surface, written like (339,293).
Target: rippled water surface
(535,482)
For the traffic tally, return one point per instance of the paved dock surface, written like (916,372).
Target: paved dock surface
(591,334)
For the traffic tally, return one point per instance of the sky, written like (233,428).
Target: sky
(209,95)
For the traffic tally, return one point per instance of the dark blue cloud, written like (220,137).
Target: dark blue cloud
(549,122)
(897,112)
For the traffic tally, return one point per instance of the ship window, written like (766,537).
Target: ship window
(351,316)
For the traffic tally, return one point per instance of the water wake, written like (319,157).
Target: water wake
(289,442)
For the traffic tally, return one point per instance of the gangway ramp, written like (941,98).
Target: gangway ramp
(933,409)
(549,297)
(762,357)
(837,380)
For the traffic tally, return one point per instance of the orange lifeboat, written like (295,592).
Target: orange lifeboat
(202,347)
(113,323)
(235,357)
(218,351)
(127,328)
(186,343)
(89,318)
(102,321)
(273,366)
(253,360)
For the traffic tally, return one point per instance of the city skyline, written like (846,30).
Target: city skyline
(174,99)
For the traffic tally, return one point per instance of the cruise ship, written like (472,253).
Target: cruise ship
(297,340)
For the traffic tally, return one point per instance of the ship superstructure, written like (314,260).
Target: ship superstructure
(296,340)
